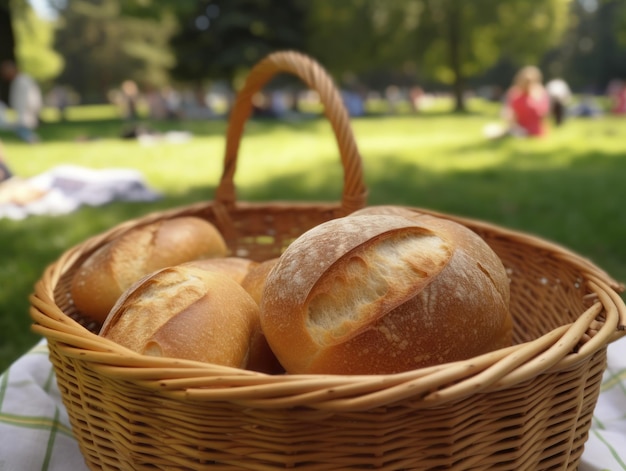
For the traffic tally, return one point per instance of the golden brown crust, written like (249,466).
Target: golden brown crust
(109,271)
(185,239)
(254,281)
(473,243)
(383,293)
(189,313)
(235,267)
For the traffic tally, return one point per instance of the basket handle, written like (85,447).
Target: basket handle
(310,72)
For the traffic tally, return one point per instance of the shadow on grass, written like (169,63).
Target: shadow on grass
(578,205)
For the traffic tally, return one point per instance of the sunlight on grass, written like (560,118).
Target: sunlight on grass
(92,112)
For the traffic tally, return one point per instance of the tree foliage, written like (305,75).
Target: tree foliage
(104,45)
(221,38)
(353,36)
(462,41)
(7,43)
(447,40)
(27,40)
(594,50)
(34,38)
(441,42)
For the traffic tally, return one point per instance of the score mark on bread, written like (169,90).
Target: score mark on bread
(366,283)
(190,313)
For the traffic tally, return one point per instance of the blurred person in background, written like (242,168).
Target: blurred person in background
(560,97)
(617,96)
(527,103)
(130,95)
(24,98)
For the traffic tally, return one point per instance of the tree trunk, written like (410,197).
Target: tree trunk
(454,38)
(7,44)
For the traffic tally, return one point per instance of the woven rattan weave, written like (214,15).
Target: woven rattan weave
(526,407)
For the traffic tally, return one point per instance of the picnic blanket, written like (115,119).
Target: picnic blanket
(33,416)
(65,188)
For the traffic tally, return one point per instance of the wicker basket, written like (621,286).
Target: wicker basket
(526,407)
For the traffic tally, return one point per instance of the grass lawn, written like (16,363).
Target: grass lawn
(567,187)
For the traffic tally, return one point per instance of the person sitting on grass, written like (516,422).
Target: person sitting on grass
(527,103)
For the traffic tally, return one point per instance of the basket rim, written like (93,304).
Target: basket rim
(196,381)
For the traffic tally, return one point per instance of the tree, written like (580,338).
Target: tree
(348,36)
(27,39)
(461,41)
(221,39)
(153,41)
(7,43)
(594,50)
(34,38)
(447,40)
(109,41)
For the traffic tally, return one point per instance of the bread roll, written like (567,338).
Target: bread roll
(254,281)
(250,275)
(114,267)
(235,267)
(381,293)
(189,313)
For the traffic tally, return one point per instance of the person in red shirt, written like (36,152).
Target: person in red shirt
(527,103)
(617,94)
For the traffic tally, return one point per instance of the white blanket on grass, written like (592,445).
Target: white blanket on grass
(66,188)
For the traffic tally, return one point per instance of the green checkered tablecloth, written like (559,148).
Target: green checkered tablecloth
(34,427)
(35,433)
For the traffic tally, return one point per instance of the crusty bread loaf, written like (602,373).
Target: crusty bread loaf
(250,275)
(235,267)
(189,313)
(109,271)
(254,281)
(383,293)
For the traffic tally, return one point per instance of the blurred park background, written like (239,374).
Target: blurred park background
(147,85)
